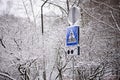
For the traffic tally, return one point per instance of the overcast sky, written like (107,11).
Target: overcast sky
(16,7)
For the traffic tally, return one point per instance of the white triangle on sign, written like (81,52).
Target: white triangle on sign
(71,37)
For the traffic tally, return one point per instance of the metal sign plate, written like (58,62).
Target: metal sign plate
(72,36)
(74,15)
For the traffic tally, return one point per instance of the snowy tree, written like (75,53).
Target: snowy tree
(33,33)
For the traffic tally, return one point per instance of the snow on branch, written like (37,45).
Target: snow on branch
(5,75)
(84,10)
(106,5)
(58,7)
(115,20)
(26,10)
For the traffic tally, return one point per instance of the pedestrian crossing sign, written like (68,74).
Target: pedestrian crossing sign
(72,37)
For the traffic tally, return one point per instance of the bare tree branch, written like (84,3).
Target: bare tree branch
(115,21)
(5,75)
(51,72)
(67,2)
(33,12)
(59,7)
(78,3)
(74,2)
(17,44)
(96,72)
(1,41)
(26,10)
(96,18)
(106,5)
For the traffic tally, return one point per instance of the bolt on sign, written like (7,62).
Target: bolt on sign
(72,37)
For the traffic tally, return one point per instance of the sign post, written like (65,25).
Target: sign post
(72,35)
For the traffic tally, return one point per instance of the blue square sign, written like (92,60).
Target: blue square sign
(72,37)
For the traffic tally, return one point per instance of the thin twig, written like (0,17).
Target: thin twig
(26,10)
(5,75)
(56,6)
(67,2)
(115,20)
(17,44)
(78,3)
(51,72)
(74,2)
(33,12)
(106,5)
(95,17)
(1,41)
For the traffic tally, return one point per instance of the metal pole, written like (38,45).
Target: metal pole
(73,66)
(73,15)
(42,25)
